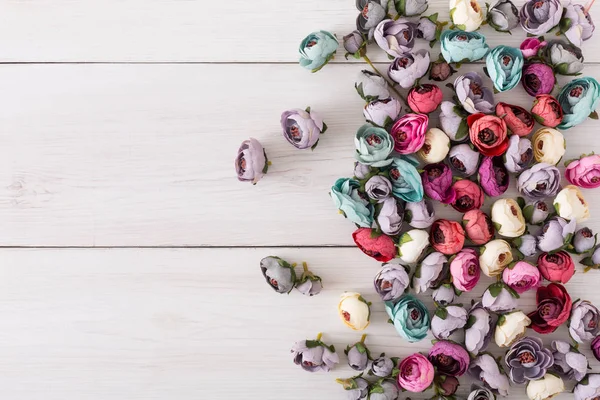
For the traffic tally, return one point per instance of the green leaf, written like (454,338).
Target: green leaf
(314,146)
(521,202)
(497,226)
(311,344)
(495,289)
(405,238)
(481,250)
(463,130)
(557,208)
(408,216)
(539,119)
(433,17)
(501,320)
(361,348)
(528,212)
(266,167)
(375,233)
(441,313)
(471,321)
(324,127)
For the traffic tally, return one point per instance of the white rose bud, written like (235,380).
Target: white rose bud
(382,112)
(467,15)
(570,204)
(510,328)
(542,389)
(495,256)
(548,146)
(412,245)
(354,311)
(436,146)
(508,218)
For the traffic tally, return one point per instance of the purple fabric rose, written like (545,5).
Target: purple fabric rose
(447,320)
(449,358)
(420,214)
(584,323)
(463,159)
(444,295)
(538,79)
(568,362)
(391,282)
(540,16)
(395,37)
(390,216)
(479,329)
(539,182)
(437,183)
(536,212)
(556,234)
(528,360)
(378,188)
(474,97)
(406,69)
(584,240)
(499,298)
(577,24)
(302,127)
(314,355)
(251,162)
(493,176)
(486,369)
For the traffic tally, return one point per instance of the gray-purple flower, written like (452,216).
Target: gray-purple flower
(499,298)
(588,388)
(391,282)
(357,388)
(371,14)
(427,29)
(472,95)
(383,390)
(251,162)
(453,122)
(567,59)
(528,360)
(382,366)
(556,234)
(463,160)
(584,324)
(539,182)
(444,295)
(540,16)
(314,355)
(577,24)
(486,369)
(378,188)
(309,283)
(420,214)
(519,154)
(302,127)
(371,87)
(361,170)
(447,320)
(354,42)
(428,271)
(390,216)
(358,355)
(395,37)
(479,329)
(408,67)
(527,245)
(536,212)
(584,240)
(280,275)
(382,112)
(481,393)
(503,16)
(569,362)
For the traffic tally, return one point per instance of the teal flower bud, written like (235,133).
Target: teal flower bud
(373,146)
(578,99)
(317,49)
(406,180)
(460,46)
(410,318)
(504,66)
(353,204)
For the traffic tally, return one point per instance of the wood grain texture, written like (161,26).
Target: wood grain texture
(142,155)
(186,324)
(191,30)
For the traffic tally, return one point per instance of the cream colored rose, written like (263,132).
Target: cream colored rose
(495,256)
(436,147)
(548,146)
(508,218)
(570,204)
(412,245)
(354,311)
(467,15)
(510,328)
(545,388)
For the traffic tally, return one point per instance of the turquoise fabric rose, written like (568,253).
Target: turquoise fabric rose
(578,99)
(373,146)
(348,200)
(317,49)
(460,46)
(410,317)
(406,180)
(504,66)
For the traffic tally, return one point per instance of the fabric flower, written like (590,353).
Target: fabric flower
(588,388)
(545,388)
(519,154)
(510,328)
(472,95)
(425,98)
(415,373)
(453,121)
(508,218)
(437,183)
(499,298)
(354,311)
(410,8)
(485,369)
(357,388)
(440,70)
(584,172)
(309,284)
(528,360)
(536,212)
(444,295)
(577,24)
(568,362)
(592,261)
(449,358)
(517,119)
(531,46)
(539,182)
(557,267)
(553,308)
(371,87)
(390,216)
(354,42)
(584,240)
(488,134)
(391,282)
(395,37)
(503,16)
(527,245)
(420,215)
(406,181)
(547,111)
(478,227)
(371,14)
(361,171)
(409,133)
(383,390)
(382,367)
(480,393)
(539,17)
(410,318)
(280,275)
(314,355)
(381,248)
(447,320)
(408,67)
(447,237)
(412,245)
(493,176)
(521,277)
(465,270)
(504,66)
(478,331)
(436,146)
(317,49)
(469,195)
(427,28)
(251,162)
(578,99)
(458,46)
(347,198)
(565,58)
(463,159)
(302,128)
(548,146)
(378,188)
(538,78)
(358,355)
(466,15)
(571,205)
(583,324)
(446,385)
(428,271)
(494,257)
(373,146)
(382,112)
(556,234)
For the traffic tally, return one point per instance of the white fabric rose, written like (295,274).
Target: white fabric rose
(467,15)
(570,204)
(412,245)
(545,388)
(354,311)
(510,328)
(508,218)
(548,146)
(436,146)
(495,256)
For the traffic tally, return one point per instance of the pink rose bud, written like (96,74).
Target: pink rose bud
(547,110)
(493,176)
(425,98)
(447,237)
(521,277)
(557,267)
(465,270)
(380,247)
(584,172)
(469,196)
(517,119)
(415,373)
(478,227)
(409,133)
(531,46)
(437,183)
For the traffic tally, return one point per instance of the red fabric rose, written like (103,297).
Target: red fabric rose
(557,267)
(519,120)
(488,133)
(447,237)
(469,196)
(478,227)
(547,110)
(381,248)
(553,308)
(424,98)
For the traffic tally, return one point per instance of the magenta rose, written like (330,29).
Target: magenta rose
(521,277)
(584,172)
(437,183)
(493,176)
(538,79)
(449,358)
(409,133)
(531,46)
(415,373)
(465,270)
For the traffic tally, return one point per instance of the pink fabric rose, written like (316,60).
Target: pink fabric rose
(547,110)
(409,133)
(557,267)
(584,172)
(478,227)
(522,277)
(415,373)
(465,270)
(424,98)
(380,247)
(447,237)
(531,46)
(437,183)
(517,119)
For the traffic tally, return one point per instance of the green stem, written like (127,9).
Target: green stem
(319,335)
(362,339)
(305,266)
(391,85)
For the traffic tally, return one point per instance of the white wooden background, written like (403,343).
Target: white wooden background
(129,259)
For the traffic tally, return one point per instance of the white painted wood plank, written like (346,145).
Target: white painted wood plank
(132,155)
(192,30)
(186,324)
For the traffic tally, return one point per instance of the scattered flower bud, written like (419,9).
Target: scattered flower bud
(406,182)
(391,282)
(547,111)
(373,146)
(408,67)
(510,328)
(576,23)
(566,58)
(412,245)
(556,234)
(596,347)
(536,212)
(527,245)
(361,171)
(478,227)
(488,134)
(493,176)
(427,28)
(425,98)
(584,240)
(309,283)
(382,112)
(280,275)
(517,119)
(449,358)
(465,270)
(588,388)
(557,267)
(436,146)
(503,16)
(371,86)
(382,366)
(472,95)
(410,318)
(317,49)
(571,205)
(447,320)
(357,388)
(495,256)
(528,360)
(538,78)
(447,237)
(428,271)
(504,66)
(486,369)
(380,247)
(408,133)
(584,172)
(539,182)
(452,121)
(314,355)
(371,14)
(437,183)
(469,196)
(466,15)
(519,154)
(553,308)
(440,70)
(463,160)
(348,200)
(251,162)
(548,146)
(354,42)
(391,216)
(378,188)
(480,393)
(302,128)
(444,295)
(479,329)
(508,218)
(420,215)
(416,373)
(578,99)
(383,390)
(539,17)
(458,46)
(584,322)
(411,8)
(531,47)
(395,37)
(568,362)
(358,355)
(354,311)
(521,277)
(499,298)
(446,385)
(545,388)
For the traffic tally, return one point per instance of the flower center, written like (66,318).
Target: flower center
(582,201)
(438,236)
(242,164)
(586,233)
(365,11)
(546,309)
(464,202)
(540,145)
(513,210)
(471,270)
(523,116)
(373,139)
(406,35)
(444,360)
(414,314)
(490,227)
(526,358)
(541,186)
(401,136)
(506,60)
(533,82)
(475,6)
(386,285)
(456,163)
(476,89)
(424,89)
(595,179)
(311,43)
(576,91)
(274,283)
(522,283)
(395,174)
(295,132)
(500,175)
(346,316)
(434,172)
(592,324)
(487,136)
(426,148)
(409,370)
(555,108)
(308,364)
(502,257)
(538,4)
(542,205)
(526,156)
(403,62)
(553,258)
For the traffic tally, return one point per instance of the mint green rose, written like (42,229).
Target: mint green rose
(406,180)
(460,46)
(353,204)
(317,49)
(410,317)
(373,146)
(579,99)
(504,66)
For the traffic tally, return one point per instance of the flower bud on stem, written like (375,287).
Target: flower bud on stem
(401,97)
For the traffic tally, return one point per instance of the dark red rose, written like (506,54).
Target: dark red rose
(553,308)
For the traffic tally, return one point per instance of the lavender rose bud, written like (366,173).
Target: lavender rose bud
(556,234)
(309,283)
(251,162)
(361,170)
(356,388)
(566,58)
(584,240)
(479,329)
(588,388)
(453,122)
(426,29)
(527,245)
(280,275)
(314,355)
(371,87)
(485,369)
(519,154)
(481,393)
(371,14)
(407,68)
(447,320)
(428,271)
(539,182)
(382,367)
(395,37)
(503,16)
(528,360)
(358,355)
(540,16)
(463,159)
(420,215)
(378,188)
(536,212)
(584,322)
(382,112)
(499,298)
(444,295)
(383,390)
(474,97)
(302,127)
(577,23)
(391,282)
(390,216)
(568,362)
(354,42)
(410,8)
